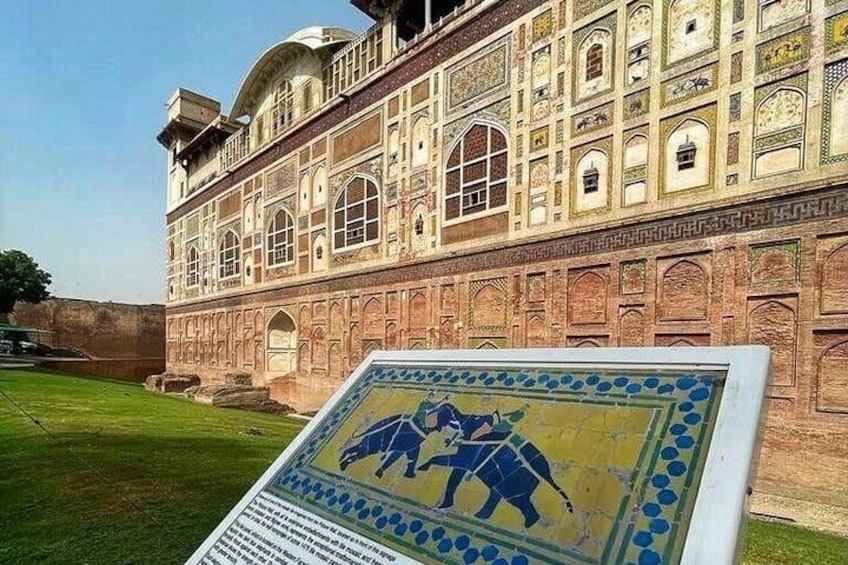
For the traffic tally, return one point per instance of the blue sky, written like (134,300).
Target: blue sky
(82,91)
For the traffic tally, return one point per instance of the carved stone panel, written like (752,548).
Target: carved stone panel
(633,277)
(774,262)
(631,327)
(372,317)
(683,289)
(831,373)
(773,322)
(536,288)
(536,330)
(833,275)
(682,340)
(588,296)
(418,310)
(487,308)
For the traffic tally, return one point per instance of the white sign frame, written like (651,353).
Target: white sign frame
(716,528)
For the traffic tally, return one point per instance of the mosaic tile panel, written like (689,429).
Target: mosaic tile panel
(460,465)
(736,67)
(835,90)
(836,32)
(583,8)
(738,11)
(690,85)
(543,25)
(735,107)
(637,104)
(470,81)
(596,118)
(733,148)
(539,139)
(701,9)
(783,51)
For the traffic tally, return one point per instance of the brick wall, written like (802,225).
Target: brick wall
(100,329)
(782,286)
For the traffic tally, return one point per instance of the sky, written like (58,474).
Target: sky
(83,87)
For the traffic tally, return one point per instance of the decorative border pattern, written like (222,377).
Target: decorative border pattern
(775,212)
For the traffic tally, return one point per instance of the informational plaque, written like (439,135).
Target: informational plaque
(514,457)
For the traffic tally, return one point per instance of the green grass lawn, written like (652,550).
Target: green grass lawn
(124,476)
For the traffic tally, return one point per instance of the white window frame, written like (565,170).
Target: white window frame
(459,145)
(192,267)
(273,247)
(229,258)
(365,221)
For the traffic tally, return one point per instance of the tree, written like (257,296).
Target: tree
(20,281)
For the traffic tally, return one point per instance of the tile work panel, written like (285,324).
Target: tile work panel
(512,465)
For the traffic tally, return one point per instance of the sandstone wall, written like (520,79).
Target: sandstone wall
(782,286)
(100,329)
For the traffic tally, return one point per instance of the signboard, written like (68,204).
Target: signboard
(514,457)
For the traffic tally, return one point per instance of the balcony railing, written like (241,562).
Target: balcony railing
(236,148)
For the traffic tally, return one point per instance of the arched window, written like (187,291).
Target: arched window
(192,266)
(594,58)
(170,251)
(228,255)
(356,215)
(689,29)
(280,243)
(594,61)
(476,173)
(687,156)
(283,104)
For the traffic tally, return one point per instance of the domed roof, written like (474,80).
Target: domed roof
(311,39)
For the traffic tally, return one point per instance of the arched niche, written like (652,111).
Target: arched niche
(281,350)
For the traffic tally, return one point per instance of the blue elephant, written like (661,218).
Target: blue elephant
(402,434)
(510,466)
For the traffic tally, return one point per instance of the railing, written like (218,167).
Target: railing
(236,148)
(354,62)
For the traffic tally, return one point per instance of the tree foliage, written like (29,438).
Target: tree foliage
(21,280)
